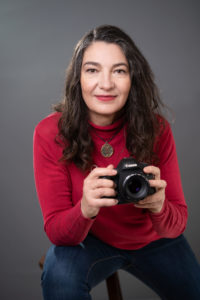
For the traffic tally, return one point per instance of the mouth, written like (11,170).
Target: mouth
(105,97)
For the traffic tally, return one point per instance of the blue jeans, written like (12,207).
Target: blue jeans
(168,266)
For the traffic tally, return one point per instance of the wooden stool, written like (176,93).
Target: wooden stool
(112,283)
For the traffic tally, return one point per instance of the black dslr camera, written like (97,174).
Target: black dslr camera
(132,184)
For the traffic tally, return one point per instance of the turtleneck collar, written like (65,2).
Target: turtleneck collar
(108,128)
(106,132)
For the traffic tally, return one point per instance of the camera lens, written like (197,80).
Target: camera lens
(135,187)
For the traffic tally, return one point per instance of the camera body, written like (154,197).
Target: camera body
(132,184)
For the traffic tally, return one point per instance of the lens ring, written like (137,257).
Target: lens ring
(135,187)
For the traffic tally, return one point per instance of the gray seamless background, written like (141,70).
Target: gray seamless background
(37,41)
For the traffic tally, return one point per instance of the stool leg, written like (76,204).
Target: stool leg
(41,262)
(113,287)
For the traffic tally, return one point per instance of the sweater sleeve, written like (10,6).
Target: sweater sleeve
(64,223)
(171,221)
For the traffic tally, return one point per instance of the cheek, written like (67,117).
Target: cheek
(125,88)
(87,86)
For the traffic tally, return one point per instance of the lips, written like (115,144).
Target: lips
(105,97)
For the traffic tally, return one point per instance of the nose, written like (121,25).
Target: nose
(106,81)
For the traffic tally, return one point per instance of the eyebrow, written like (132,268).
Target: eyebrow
(97,64)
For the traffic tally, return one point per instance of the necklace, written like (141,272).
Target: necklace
(107,150)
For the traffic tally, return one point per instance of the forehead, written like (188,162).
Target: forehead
(103,52)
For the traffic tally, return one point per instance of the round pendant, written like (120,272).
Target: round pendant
(107,150)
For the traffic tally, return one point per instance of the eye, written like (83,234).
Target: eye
(91,70)
(120,71)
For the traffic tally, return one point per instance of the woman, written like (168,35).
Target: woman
(111,110)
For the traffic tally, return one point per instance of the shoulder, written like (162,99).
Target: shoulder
(48,126)
(164,128)
(45,137)
(165,144)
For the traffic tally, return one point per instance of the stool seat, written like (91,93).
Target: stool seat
(112,283)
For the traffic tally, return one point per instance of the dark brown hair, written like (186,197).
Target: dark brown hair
(141,111)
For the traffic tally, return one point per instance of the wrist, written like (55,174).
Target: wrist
(88,213)
(155,211)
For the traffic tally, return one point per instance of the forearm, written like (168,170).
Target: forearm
(63,221)
(68,227)
(171,221)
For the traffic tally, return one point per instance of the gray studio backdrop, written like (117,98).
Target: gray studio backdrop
(36,41)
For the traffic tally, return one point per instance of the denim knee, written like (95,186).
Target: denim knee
(61,279)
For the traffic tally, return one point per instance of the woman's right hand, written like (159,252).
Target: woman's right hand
(95,188)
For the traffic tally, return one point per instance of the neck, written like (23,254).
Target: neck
(104,120)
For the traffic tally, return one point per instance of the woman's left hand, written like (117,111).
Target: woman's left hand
(154,203)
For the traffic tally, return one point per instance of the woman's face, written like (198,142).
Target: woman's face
(105,81)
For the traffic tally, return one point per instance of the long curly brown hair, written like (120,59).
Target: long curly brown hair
(141,111)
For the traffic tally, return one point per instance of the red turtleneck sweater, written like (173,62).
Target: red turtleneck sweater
(59,189)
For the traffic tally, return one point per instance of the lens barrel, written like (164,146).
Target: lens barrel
(136,187)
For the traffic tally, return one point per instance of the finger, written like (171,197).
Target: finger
(101,182)
(98,172)
(153,170)
(105,192)
(158,184)
(106,202)
(149,205)
(152,198)
(110,166)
